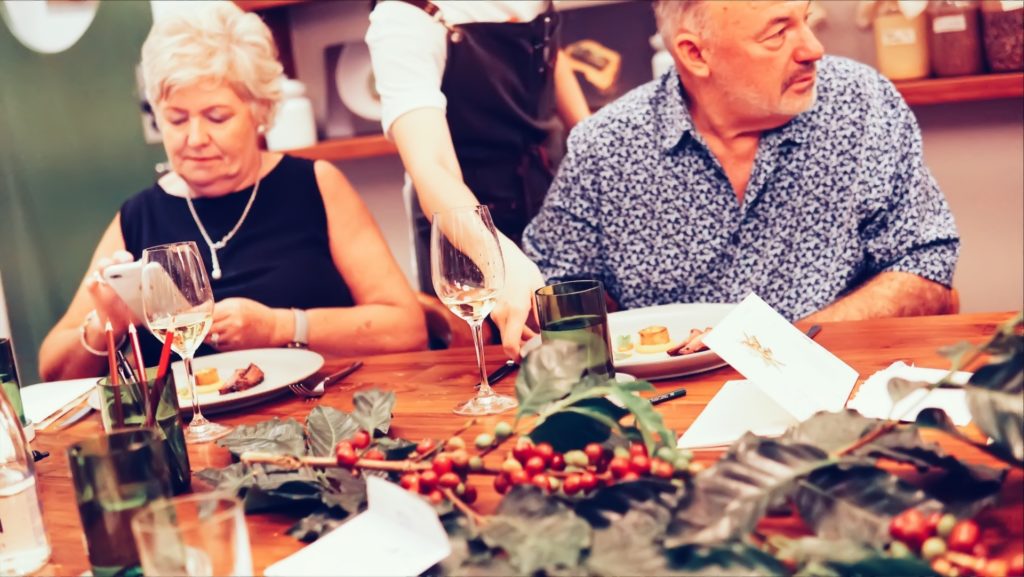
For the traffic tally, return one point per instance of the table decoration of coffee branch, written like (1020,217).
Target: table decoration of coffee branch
(593,483)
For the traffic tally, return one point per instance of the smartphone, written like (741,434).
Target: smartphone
(126,280)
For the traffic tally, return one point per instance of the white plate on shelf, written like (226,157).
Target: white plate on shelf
(281,367)
(679,319)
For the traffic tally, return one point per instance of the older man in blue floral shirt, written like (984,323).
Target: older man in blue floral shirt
(756,165)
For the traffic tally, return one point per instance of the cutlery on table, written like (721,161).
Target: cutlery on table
(75,417)
(70,406)
(311,392)
(501,372)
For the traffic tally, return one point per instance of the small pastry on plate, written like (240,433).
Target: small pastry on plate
(207,381)
(654,339)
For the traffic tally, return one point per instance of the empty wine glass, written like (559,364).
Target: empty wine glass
(176,295)
(468,272)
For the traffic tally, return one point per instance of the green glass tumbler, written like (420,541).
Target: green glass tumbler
(168,423)
(114,476)
(576,311)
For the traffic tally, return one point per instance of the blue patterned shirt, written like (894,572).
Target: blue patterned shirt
(837,195)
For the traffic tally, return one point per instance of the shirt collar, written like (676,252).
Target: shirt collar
(675,123)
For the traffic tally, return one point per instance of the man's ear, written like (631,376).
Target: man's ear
(690,54)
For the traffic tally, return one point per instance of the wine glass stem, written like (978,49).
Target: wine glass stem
(478,341)
(197,414)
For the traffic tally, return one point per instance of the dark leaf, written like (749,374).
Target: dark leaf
(342,490)
(294,492)
(900,389)
(857,502)
(723,559)
(629,521)
(326,426)
(832,431)
(274,436)
(956,352)
(233,479)
(938,419)
(373,410)
(731,496)
(315,525)
(548,374)
(994,396)
(573,430)
(536,531)
(395,449)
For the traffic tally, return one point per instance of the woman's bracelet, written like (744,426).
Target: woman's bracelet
(85,344)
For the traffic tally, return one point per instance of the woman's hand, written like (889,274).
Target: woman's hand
(240,323)
(105,299)
(515,307)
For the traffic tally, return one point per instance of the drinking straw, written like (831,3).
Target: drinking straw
(161,373)
(114,381)
(140,365)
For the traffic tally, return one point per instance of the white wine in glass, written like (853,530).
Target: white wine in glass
(468,272)
(176,295)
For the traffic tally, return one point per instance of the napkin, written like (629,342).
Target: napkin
(398,534)
(42,400)
(872,399)
(740,406)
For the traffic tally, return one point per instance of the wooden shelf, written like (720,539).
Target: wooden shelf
(348,148)
(962,89)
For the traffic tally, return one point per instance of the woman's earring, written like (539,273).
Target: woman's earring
(261,129)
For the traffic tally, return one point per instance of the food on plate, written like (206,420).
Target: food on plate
(207,381)
(692,344)
(243,379)
(623,346)
(654,339)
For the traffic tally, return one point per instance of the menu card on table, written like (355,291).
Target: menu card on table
(789,377)
(398,534)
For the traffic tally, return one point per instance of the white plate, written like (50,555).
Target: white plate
(281,367)
(354,81)
(679,319)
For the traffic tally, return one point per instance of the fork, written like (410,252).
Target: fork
(305,391)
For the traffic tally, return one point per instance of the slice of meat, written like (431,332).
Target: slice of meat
(243,379)
(677,350)
(693,343)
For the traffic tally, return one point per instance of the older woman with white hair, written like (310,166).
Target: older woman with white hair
(293,254)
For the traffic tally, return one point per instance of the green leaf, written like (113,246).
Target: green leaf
(832,431)
(588,421)
(233,479)
(296,492)
(843,558)
(857,502)
(274,436)
(373,410)
(900,389)
(648,420)
(395,449)
(731,496)
(342,490)
(723,559)
(548,374)
(956,353)
(635,386)
(938,419)
(994,399)
(536,531)
(326,426)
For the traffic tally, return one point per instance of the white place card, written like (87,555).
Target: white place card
(789,377)
(398,534)
(45,399)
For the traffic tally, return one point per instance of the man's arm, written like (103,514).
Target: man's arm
(889,294)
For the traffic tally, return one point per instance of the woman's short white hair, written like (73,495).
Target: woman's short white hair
(213,41)
(671,15)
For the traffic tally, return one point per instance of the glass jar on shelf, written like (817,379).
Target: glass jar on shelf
(955,38)
(1003,24)
(901,42)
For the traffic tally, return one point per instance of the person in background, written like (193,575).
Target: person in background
(302,259)
(469,92)
(758,164)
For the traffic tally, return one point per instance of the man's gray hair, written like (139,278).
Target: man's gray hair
(671,15)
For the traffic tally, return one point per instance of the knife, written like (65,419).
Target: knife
(501,372)
(75,417)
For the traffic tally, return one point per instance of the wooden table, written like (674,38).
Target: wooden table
(428,384)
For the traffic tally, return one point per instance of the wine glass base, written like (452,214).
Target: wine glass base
(486,405)
(205,432)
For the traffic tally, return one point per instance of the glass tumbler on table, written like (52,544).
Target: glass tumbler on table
(176,295)
(468,273)
(575,311)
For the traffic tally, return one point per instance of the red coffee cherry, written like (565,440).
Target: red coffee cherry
(594,452)
(964,536)
(442,464)
(588,481)
(910,527)
(361,440)
(619,466)
(572,485)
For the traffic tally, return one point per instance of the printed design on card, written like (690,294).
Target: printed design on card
(764,352)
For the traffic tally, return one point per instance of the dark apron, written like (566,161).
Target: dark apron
(499,83)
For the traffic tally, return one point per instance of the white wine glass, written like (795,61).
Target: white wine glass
(176,294)
(468,272)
